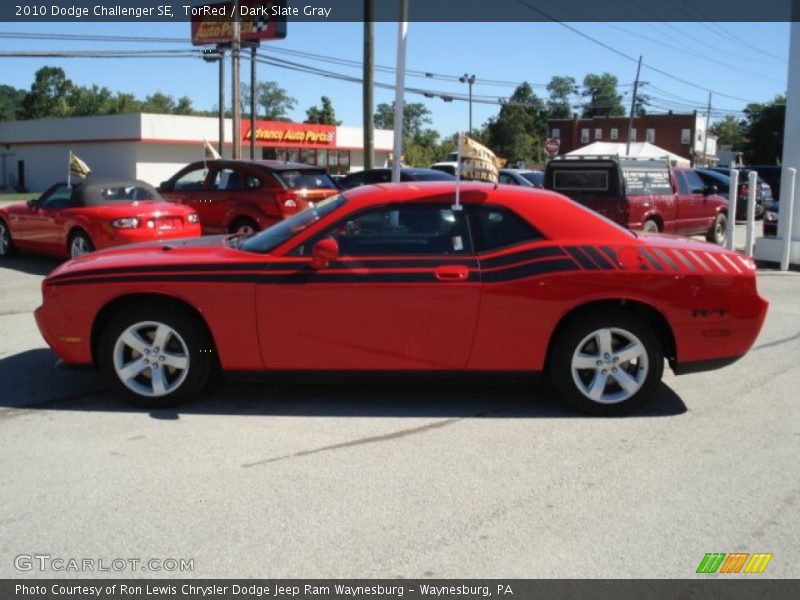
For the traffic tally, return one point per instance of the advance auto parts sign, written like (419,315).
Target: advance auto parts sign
(260,20)
(297,135)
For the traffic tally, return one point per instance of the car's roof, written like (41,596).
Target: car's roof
(520,171)
(272,165)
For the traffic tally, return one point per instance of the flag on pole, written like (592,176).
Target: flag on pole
(77,167)
(477,162)
(209,152)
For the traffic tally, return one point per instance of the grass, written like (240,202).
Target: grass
(18,197)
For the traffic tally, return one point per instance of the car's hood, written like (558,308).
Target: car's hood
(206,250)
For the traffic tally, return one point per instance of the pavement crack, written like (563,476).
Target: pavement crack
(777,342)
(359,442)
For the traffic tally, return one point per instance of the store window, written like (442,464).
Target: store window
(598,134)
(614,133)
(650,136)
(584,136)
(556,133)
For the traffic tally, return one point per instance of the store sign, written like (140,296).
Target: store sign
(298,135)
(260,20)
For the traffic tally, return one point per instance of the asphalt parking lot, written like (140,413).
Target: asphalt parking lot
(354,479)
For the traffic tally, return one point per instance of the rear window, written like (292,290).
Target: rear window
(574,180)
(432,175)
(306,179)
(647,181)
(126,193)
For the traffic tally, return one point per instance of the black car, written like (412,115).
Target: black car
(523,177)
(722,181)
(384,175)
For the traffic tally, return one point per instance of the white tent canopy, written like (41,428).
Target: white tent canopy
(637,150)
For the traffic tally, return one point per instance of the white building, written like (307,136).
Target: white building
(34,154)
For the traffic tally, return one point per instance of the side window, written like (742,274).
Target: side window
(401,231)
(193,180)
(683,185)
(507,179)
(251,182)
(58,198)
(227,180)
(696,185)
(378,177)
(495,227)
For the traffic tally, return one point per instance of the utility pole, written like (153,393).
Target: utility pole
(469,79)
(253,53)
(705,133)
(236,51)
(218,55)
(633,106)
(369,85)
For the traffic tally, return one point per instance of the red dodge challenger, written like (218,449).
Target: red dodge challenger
(69,221)
(396,278)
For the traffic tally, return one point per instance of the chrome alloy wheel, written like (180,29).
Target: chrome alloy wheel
(151,359)
(79,246)
(609,365)
(5,239)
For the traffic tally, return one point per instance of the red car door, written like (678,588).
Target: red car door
(190,187)
(693,215)
(403,295)
(40,227)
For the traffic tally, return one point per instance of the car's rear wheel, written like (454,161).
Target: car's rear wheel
(718,230)
(606,363)
(79,244)
(244,226)
(7,248)
(156,355)
(650,226)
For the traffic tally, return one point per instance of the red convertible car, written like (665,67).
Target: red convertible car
(395,278)
(68,221)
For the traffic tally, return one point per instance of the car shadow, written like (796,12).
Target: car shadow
(31,381)
(32,264)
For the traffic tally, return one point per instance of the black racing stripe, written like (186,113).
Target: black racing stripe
(584,260)
(683,259)
(261,278)
(601,260)
(611,253)
(529,270)
(666,258)
(518,257)
(403,263)
(651,259)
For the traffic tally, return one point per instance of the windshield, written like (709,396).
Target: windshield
(274,236)
(308,179)
(535,177)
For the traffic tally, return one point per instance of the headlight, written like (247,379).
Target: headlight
(290,204)
(126,223)
(192,218)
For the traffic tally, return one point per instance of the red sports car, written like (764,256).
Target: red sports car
(68,221)
(394,278)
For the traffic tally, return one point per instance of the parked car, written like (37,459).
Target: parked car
(642,194)
(393,278)
(245,196)
(384,175)
(69,221)
(449,166)
(523,177)
(722,181)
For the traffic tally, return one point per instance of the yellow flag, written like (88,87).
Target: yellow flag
(210,153)
(477,161)
(77,167)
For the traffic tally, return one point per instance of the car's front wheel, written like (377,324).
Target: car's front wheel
(7,248)
(650,226)
(244,226)
(156,355)
(606,363)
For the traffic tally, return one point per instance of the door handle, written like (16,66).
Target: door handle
(452,273)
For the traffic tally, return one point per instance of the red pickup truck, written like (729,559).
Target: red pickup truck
(645,194)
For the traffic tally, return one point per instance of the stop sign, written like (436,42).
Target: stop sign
(552,146)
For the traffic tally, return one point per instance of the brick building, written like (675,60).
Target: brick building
(683,135)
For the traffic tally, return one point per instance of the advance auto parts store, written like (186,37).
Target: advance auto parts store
(34,154)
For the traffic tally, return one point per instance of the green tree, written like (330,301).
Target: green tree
(273,100)
(158,103)
(560,88)
(48,95)
(730,131)
(11,100)
(87,101)
(764,130)
(517,133)
(324,115)
(183,106)
(603,100)
(416,117)
(124,103)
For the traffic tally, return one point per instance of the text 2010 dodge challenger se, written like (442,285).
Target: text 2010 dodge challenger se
(395,278)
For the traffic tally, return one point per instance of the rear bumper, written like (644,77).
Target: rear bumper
(121,237)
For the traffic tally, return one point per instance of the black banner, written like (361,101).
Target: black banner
(479,11)
(733,588)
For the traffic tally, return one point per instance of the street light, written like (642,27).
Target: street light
(469,80)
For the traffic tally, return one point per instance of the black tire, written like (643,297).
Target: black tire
(187,340)
(650,226)
(718,229)
(79,244)
(627,333)
(244,226)
(7,247)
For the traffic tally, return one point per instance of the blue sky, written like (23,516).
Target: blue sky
(744,60)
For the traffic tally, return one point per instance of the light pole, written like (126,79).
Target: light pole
(469,80)
(218,55)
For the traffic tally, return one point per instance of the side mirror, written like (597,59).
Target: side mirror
(323,252)
(710,189)
(32,203)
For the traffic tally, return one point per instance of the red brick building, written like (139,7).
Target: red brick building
(681,134)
